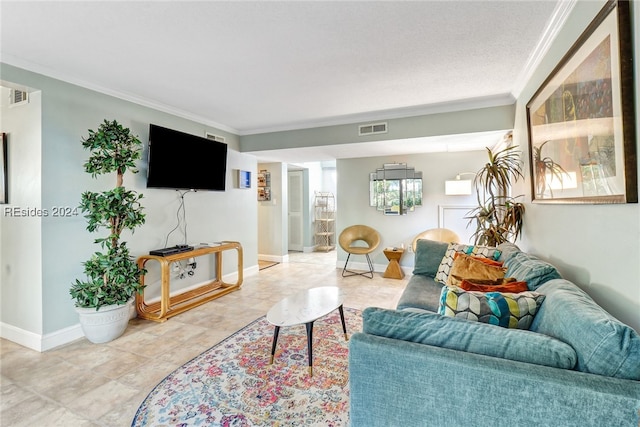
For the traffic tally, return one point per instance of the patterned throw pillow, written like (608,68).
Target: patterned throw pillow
(509,310)
(447,261)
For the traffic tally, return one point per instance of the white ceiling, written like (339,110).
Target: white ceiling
(252,67)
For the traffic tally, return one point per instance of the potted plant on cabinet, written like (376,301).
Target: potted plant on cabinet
(499,216)
(103,299)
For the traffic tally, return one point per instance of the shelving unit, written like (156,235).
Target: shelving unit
(325,220)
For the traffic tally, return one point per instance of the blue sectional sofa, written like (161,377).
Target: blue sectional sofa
(576,365)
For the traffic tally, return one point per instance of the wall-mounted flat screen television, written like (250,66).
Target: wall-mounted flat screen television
(179,160)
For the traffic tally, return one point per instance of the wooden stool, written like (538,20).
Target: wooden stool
(393,271)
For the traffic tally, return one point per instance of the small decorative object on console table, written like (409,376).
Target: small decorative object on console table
(393,271)
(168,305)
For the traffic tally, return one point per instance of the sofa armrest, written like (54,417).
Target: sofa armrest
(394,382)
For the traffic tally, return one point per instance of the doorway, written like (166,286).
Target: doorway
(295,210)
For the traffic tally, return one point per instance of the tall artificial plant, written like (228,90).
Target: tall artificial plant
(499,216)
(112,276)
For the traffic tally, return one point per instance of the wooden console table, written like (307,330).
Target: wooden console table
(168,305)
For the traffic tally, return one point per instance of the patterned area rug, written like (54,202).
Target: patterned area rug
(233,384)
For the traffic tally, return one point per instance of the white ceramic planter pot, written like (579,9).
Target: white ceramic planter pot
(106,324)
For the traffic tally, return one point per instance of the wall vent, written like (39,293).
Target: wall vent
(18,97)
(215,137)
(372,128)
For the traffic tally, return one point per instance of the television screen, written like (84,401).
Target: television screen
(179,160)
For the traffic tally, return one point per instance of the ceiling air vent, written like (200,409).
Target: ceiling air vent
(18,97)
(215,137)
(372,128)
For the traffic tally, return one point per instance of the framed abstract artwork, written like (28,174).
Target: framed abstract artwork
(581,121)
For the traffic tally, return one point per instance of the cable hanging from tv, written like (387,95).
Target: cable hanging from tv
(182,219)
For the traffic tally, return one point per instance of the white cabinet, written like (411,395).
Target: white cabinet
(325,221)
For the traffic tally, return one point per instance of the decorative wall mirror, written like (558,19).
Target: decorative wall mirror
(395,189)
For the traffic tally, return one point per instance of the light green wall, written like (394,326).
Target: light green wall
(452,123)
(68,111)
(596,246)
(21,233)
(353,198)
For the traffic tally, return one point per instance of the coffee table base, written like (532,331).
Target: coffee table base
(309,327)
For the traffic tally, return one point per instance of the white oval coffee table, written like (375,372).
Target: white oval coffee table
(306,307)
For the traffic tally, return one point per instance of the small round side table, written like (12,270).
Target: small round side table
(393,271)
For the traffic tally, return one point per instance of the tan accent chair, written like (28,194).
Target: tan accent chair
(437,234)
(353,234)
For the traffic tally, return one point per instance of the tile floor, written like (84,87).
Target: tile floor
(85,384)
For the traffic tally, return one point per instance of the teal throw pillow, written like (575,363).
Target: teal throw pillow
(527,268)
(429,254)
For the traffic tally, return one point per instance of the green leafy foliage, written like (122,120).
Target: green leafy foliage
(113,149)
(112,276)
(118,209)
(498,217)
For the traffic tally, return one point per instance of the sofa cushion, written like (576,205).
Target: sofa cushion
(604,345)
(506,250)
(467,267)
(421,292)
(429,253)
(456,334)
(508,310)
(528,268)
(447,261)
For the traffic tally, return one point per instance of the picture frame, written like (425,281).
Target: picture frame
(4,171)
(263,178)
(244,179)
(581,121)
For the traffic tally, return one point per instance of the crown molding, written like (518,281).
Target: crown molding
(558,18)
(68,78)
(397,113)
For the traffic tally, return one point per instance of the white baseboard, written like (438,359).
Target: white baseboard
(361,266)
(72,333)
(273,258)
(377,268)
(39,342)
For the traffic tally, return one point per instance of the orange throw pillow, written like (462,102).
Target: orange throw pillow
(466,267)
(487,261)
(513,287)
